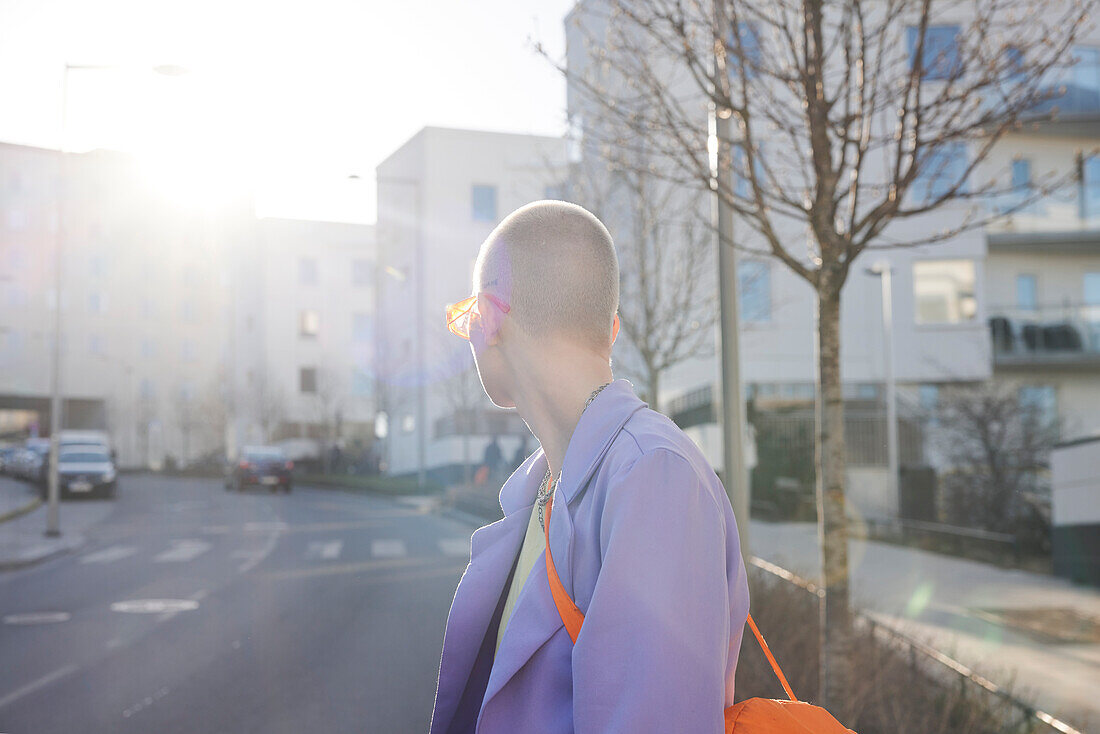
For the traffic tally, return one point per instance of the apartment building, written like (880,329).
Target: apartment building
(439,196)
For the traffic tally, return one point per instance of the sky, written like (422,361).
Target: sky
(298,100)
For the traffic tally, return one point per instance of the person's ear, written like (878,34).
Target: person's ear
(615,329)
(491,318)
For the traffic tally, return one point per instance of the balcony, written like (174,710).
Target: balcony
(1065,337)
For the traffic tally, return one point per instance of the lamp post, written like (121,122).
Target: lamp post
(53,523)
(883,271)
(418,316)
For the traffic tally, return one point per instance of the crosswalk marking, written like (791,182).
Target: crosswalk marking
(109,555)
(388,548)
(182,551)
(324,549)
(458,547)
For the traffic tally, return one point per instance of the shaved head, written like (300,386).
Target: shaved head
(555,263)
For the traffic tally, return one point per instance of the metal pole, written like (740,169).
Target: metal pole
(735,475)
(884,272)
(53,520)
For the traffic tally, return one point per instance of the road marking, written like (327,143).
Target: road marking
(265,527)
(35,685)
(182,551)
(457,547)
(324,549)
(388,548)
(109,555)
(154,606)
(359,567)
(144,703)
(37,618)
(258,556)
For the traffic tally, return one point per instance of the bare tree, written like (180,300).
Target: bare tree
(996,444)
(269,403)
(457,384)
(188,421)
(847,118)
(329,399)
(666,311)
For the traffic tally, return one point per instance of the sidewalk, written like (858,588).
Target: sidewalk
(1037,633)
(22,538)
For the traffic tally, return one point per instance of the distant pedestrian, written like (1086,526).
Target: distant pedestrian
(493,457)
(642,533)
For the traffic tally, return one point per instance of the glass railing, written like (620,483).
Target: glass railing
(1047,333)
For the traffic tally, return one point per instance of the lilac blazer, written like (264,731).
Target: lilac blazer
(648,549)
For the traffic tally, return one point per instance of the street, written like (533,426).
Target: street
(195,609)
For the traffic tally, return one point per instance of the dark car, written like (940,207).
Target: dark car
(263,466)
(85,470)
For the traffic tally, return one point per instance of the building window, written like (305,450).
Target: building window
(96,344)
(309,324)
(555,192)
(940,55)
(484,203)
(940,170)
(362,328)
(1019,190)
(360,382)
(754,284)
(187,350)
(944,291)
(1040,401)
(749,51)
(1090,288)
(1027,292)
(307,380)
(148,347)
(1089,198)
(188,310)
(742,184)
(148,389)
(307,271)
(147,308)
(97,303)
(362,273)
(408,423)
(97,265)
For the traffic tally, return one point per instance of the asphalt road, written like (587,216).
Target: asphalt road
(192,609)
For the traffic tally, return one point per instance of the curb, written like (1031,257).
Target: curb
(29,507)
(57,552)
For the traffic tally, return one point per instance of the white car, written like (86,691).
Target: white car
(86,470)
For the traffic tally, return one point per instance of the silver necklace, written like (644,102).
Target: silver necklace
(543,495)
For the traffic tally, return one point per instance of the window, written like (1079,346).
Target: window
(148,388)
(148,347)
(362,328)
(147,308)
(1020,188)
(97,265)
(1089,198)
(940,57)
(362,273)
(97,303)
(307,271)
(408,423)
(188,310)
(1027,292)
(742,186)
(187,350)
(307,380)
(944,291)
(309,324)
(939,170)
(555,192)
(754,284)
(749,51)
(484,203)
(1090,288)
(96,344)
(929,396)
(360,382)
(1040,400)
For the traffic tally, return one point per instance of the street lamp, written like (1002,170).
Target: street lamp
(883,270)
(53,525)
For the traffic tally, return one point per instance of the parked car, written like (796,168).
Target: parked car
(85,470)
(7,454)
(265,466)
(35,461)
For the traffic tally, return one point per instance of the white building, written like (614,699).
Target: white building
(303,341)
(943,295)
(144,300)
(439,196)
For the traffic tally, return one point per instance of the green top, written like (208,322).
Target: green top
(533,545)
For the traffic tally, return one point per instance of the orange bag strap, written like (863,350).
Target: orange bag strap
(573,618)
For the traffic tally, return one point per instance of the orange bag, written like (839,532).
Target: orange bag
(751,716)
